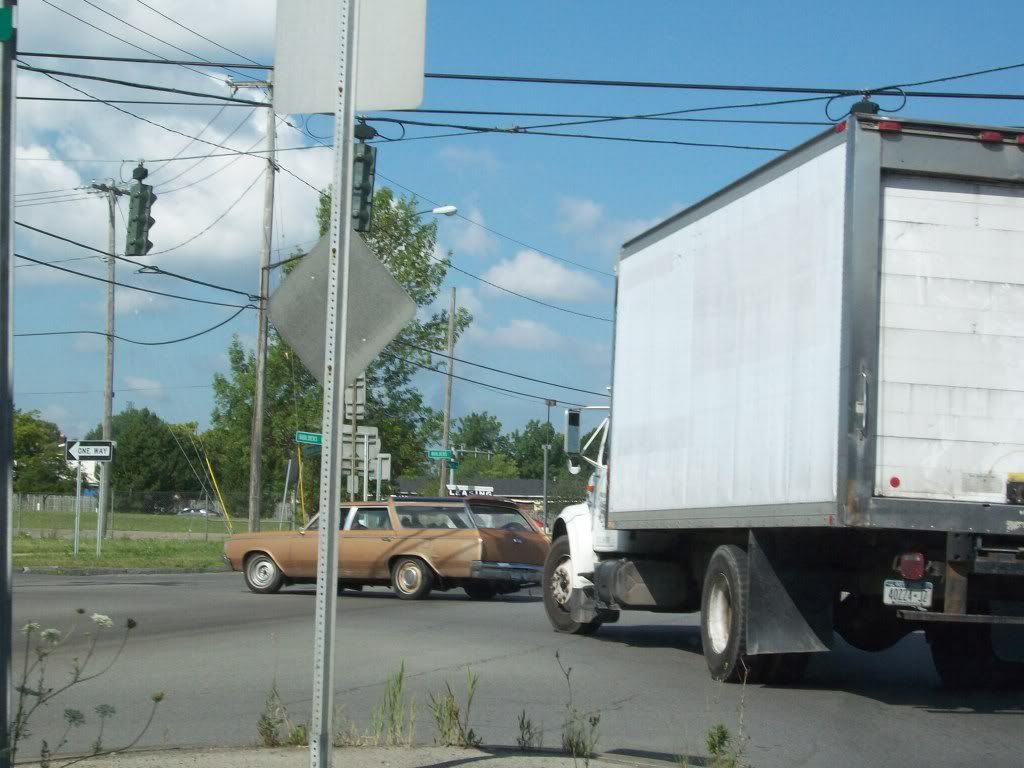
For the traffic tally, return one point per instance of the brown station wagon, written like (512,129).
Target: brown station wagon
(482,544)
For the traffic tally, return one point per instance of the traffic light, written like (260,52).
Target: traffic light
(363,171)
(140,204)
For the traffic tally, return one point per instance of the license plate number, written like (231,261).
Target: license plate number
(915,594)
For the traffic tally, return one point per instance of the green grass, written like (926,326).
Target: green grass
(118,553)
(48,521)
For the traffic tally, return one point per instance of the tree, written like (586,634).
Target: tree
(527,449)
(480,431)
(294,398)
(497,466)
(39,463)
(149,463)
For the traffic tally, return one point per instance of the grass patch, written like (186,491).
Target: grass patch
(450,719)
(65,521)
(117,553)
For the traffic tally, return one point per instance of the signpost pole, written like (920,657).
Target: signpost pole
(380,462)
(78,505)
(366,466)
(335,381)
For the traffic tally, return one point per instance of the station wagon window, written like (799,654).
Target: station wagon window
(369,519)
(499,516)
(425,516)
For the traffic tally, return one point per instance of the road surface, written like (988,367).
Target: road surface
(215,649)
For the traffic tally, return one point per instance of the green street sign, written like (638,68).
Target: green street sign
(445,454)
(453,464)
(6,24)
(309,438)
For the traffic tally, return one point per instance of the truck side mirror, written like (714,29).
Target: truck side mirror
(572,432)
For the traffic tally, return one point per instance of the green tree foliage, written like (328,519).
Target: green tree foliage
(527,449)
(480,431)
(494,467)
(405,244)
(39,465)
(147,457)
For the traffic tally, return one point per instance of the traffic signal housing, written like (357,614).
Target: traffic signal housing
(364,168)
(140,205)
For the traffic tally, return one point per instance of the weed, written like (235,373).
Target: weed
(724,748)
(275,728)
(530,735)
(392,724)
(451,721)
(579,734)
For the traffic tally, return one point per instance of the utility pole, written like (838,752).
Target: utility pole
(8,45)
(547,450)
(441,467)
(259,395)
(112,191)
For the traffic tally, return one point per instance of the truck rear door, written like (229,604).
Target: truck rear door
(951,390)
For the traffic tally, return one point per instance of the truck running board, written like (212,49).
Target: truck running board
(958,618)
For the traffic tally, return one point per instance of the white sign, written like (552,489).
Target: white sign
(470,490)
(90,450)
(392,41)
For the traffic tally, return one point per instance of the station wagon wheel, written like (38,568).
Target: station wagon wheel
(262,574)
(411,578)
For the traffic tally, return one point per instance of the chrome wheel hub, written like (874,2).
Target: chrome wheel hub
(561,583)
(262,572)
(409,578)
(719,618)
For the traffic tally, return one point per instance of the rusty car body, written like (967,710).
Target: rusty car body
(482,544)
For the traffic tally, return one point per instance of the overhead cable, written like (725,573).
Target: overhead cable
(137,341)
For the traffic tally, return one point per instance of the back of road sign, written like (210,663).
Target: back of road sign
(378,308)
(392,35)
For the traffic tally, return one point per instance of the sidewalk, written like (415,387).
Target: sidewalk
(359,757)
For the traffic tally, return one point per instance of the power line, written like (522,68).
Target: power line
(144,86)
(189,143)
(120,39)
(126,101)
(131,60)
(58,261)
(49,191)
(143,268)
(217,220)
(52,201)
(163,191)
(204,37)
(479,383)
(507,373)
(655,118)
(119,389)
(53,265)
(136,341)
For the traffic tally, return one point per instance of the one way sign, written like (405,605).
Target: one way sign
(90,450)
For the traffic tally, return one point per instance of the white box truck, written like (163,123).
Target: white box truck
(817,418)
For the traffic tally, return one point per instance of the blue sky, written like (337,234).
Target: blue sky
(574,198)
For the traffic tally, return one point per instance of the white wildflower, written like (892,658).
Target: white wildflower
(51,636)
(32,626)
(103,621)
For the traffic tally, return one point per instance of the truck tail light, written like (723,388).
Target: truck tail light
(911,565)
(890,126)
(991,137)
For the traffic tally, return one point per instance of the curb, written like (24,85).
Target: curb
(61,570)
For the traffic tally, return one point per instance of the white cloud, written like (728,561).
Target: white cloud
(524,334)
(540,277)
(127,301)
(462,158)
(470,239)
(467,297)
(150,388)
(579,215)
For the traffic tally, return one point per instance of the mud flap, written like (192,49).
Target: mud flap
(583,608)
(790,602)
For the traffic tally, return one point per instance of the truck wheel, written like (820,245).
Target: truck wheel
(411,578)
(558,588)
(723,617)
(262,574)
(868,625)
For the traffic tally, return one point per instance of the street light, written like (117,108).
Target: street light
(441,210)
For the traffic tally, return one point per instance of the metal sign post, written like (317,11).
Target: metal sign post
(78,506)
(335,382)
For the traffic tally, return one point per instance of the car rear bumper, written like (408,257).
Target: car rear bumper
(515,573)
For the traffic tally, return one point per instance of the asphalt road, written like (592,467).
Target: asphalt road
(215,649)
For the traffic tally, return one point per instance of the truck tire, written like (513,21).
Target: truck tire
(723,618)
(557,589)
(868,625)
(965,660)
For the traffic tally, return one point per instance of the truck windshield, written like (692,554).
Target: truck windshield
(498,516)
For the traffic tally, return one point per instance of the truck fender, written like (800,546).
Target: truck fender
(575,522)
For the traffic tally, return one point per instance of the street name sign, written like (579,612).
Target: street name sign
(445,454)
(309,438)
(90,450)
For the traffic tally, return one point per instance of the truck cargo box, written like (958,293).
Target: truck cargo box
(836,339)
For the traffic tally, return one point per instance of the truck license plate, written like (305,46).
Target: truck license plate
(915,594)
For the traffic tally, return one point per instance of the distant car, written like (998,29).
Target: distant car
(481,544)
